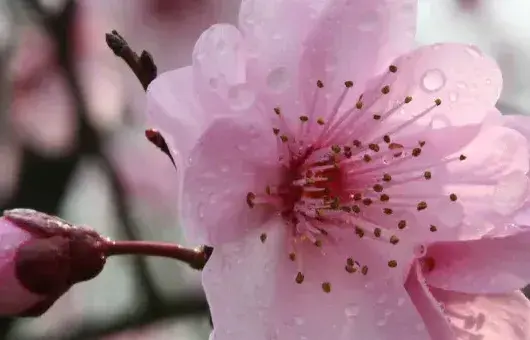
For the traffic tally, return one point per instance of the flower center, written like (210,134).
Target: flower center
(346,172)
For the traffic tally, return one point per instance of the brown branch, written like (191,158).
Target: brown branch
(143,66)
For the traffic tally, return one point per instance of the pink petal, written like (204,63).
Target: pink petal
(356,40)
(219,70)
(274,45)
(487,265)
(269,304)
(427,306)
(14,298)
(173,110)
(467,82)
(520,123)
(233,157)
(486,317)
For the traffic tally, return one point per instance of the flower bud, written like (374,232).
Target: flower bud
(41,257)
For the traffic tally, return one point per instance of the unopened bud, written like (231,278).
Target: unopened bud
(41,257)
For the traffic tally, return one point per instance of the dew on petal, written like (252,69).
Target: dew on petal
(352,311)
(510,192)
(299,321)
(453,96)
(474,51)
(433,80)
(241,97)
(278,79)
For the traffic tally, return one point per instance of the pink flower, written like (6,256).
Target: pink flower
(317,153)
(469,289)
(42,257)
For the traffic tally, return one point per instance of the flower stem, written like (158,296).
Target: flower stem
(196,258)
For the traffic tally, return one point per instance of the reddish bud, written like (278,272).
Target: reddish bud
(41,257)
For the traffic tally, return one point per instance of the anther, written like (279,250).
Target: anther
(378,188)
(364,270)
(384,198)
(427,175)
(292,257)
(408,99)
(250,199)
(326,287)
(304,119)
(350,261)
(394,239)
(263,237)
(350,269)
(335,148)
(388,211)
(357,196)
(393,68)
(356,209)
(299,278)
(377,117)
(385,89)
(320,84)
(421,206)
(462,157)
(433,228)
(377,232)
(453,197)
(357,143)
(367,158)
(348,83)
(374,147)
(320,121)
(318,243)
(359,231)
(416,152)
(276,131)
(421,143)
(386,138)
(402,224)
(387,178)
(392,263)
(367,201)
(438,101)
(359,105)
(277,110)
(284,138)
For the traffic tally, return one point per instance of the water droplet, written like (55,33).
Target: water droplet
(510,192)
(200,210)
(388,312)
(488,81)
(241,97)
(439,122)
(461,85)
(453,96)
(352,311)
(225,168)
(278,79)
(420,327)
(242,147)
(420,250)
(401,301)
(381,322)
(299,321)
(473,51)
(433,80)
(382,299)
(368,22)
